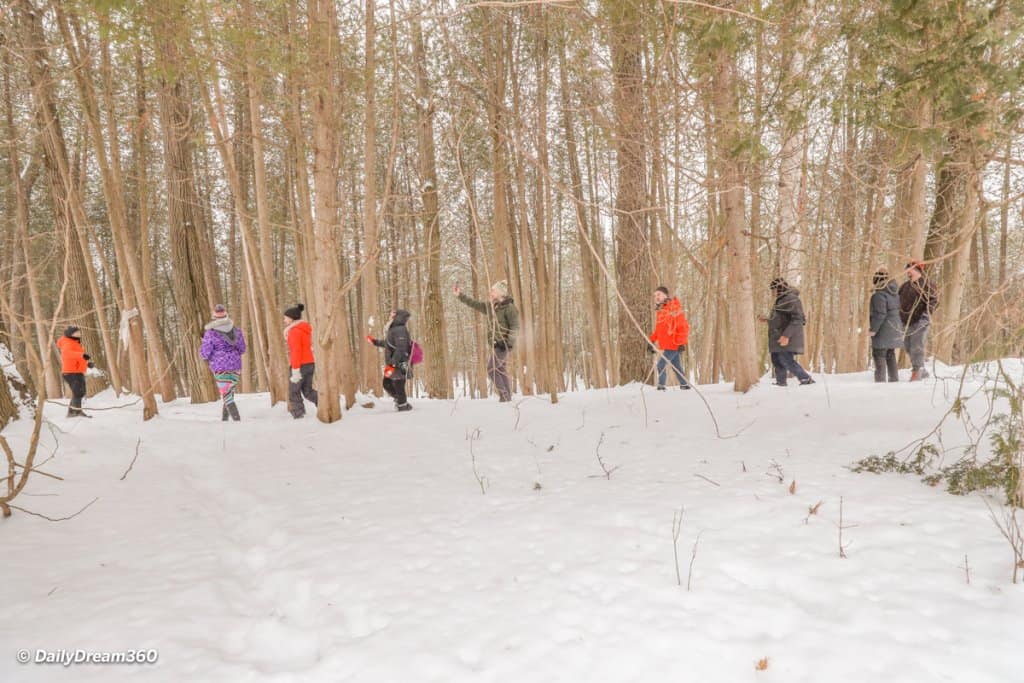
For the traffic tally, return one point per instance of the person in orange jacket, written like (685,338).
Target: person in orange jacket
(299,335)
(74,361)
(670,336)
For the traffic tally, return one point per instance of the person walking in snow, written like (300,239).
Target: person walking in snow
(786,332)
(397,345)
(299,335)
(222,348)
(74,361)
(669,338)
(885,327)
(502,325)
(918,300)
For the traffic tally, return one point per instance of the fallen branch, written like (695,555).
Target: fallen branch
(55,519)
(710,481)
(132,463)
(600,461)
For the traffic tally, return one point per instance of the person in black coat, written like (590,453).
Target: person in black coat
(918,301)
(397,345)
(885,327)
(786,332)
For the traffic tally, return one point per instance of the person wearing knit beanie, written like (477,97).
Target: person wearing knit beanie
(299,335)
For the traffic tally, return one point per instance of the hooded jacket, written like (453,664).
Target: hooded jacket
(787,320)
(885,317)
(671,329)
(223,346)
(72,354)
(502,319)
(397,345)
(299,336)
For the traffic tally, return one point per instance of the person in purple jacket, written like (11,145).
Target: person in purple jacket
(222,349)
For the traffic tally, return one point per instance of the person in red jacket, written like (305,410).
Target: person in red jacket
(670,336)
(299,335)
(74,361)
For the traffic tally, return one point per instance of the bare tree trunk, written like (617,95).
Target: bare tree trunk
(742,337)
(185,217)
(438,379)
(632,234)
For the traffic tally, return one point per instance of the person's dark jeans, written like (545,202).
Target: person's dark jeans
(673,358)
(784,362)
(300,389)
(75,382)
(497,370)
(395,388)
(885,362)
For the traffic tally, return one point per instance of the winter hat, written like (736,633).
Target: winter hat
(220,311)
(663,289)
(295,312)
(70,331)
(778,284)
(501,287)
(881,277)
(916,265)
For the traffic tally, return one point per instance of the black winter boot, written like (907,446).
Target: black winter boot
(224,413)
(404,407)
(233,409)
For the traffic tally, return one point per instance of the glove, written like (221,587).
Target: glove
(369,339)
(90,365)
(682,349)
(86,356)
(501,345)
(650,349)
(296,376)
(388,371)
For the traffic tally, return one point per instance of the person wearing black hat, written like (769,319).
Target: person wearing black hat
(299,335)
(786,332)
(74,361)
(918,300)
(397,345)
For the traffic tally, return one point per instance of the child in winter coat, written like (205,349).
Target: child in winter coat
(74,361)
(299,335)
(397,347)
(223,346)
(885,327)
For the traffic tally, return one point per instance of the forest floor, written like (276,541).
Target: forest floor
(284,550)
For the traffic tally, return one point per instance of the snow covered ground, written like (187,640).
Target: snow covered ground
(281,550)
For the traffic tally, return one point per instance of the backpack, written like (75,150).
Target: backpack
(415,354)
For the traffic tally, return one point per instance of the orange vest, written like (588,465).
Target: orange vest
(300,343)
(71,352)
(671,330)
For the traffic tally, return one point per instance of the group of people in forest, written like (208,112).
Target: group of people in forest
(899,316)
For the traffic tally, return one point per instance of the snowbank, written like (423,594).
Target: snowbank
(283,550)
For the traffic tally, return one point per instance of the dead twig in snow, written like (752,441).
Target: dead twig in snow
(842,547)
(132,463)
(967,571)
(482,481)
(1009,527)
(600,461)
(55,519)
(693,558)
(710,481)
(677,526)
(775,470)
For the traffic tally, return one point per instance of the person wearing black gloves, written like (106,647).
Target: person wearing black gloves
(74,361)
(502,325)
(397,345)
